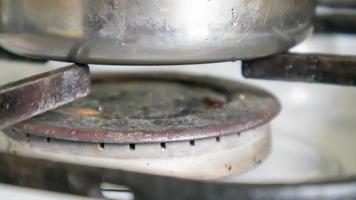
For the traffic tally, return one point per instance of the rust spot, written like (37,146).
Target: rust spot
(81,112)
(215,101)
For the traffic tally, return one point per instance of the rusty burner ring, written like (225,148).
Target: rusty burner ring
(146,108)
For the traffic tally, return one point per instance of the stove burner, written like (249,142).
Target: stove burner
(156,108)
(227,155)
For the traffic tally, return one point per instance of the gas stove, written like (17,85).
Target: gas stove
(195,131)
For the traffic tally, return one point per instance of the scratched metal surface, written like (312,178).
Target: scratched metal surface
(37,94)
(156,108)
(311,68)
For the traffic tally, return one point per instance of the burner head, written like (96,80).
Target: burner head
(165,124)
(156,108)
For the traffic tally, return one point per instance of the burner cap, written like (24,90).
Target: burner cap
(141,108)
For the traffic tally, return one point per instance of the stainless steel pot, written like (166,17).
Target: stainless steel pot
(153,31)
